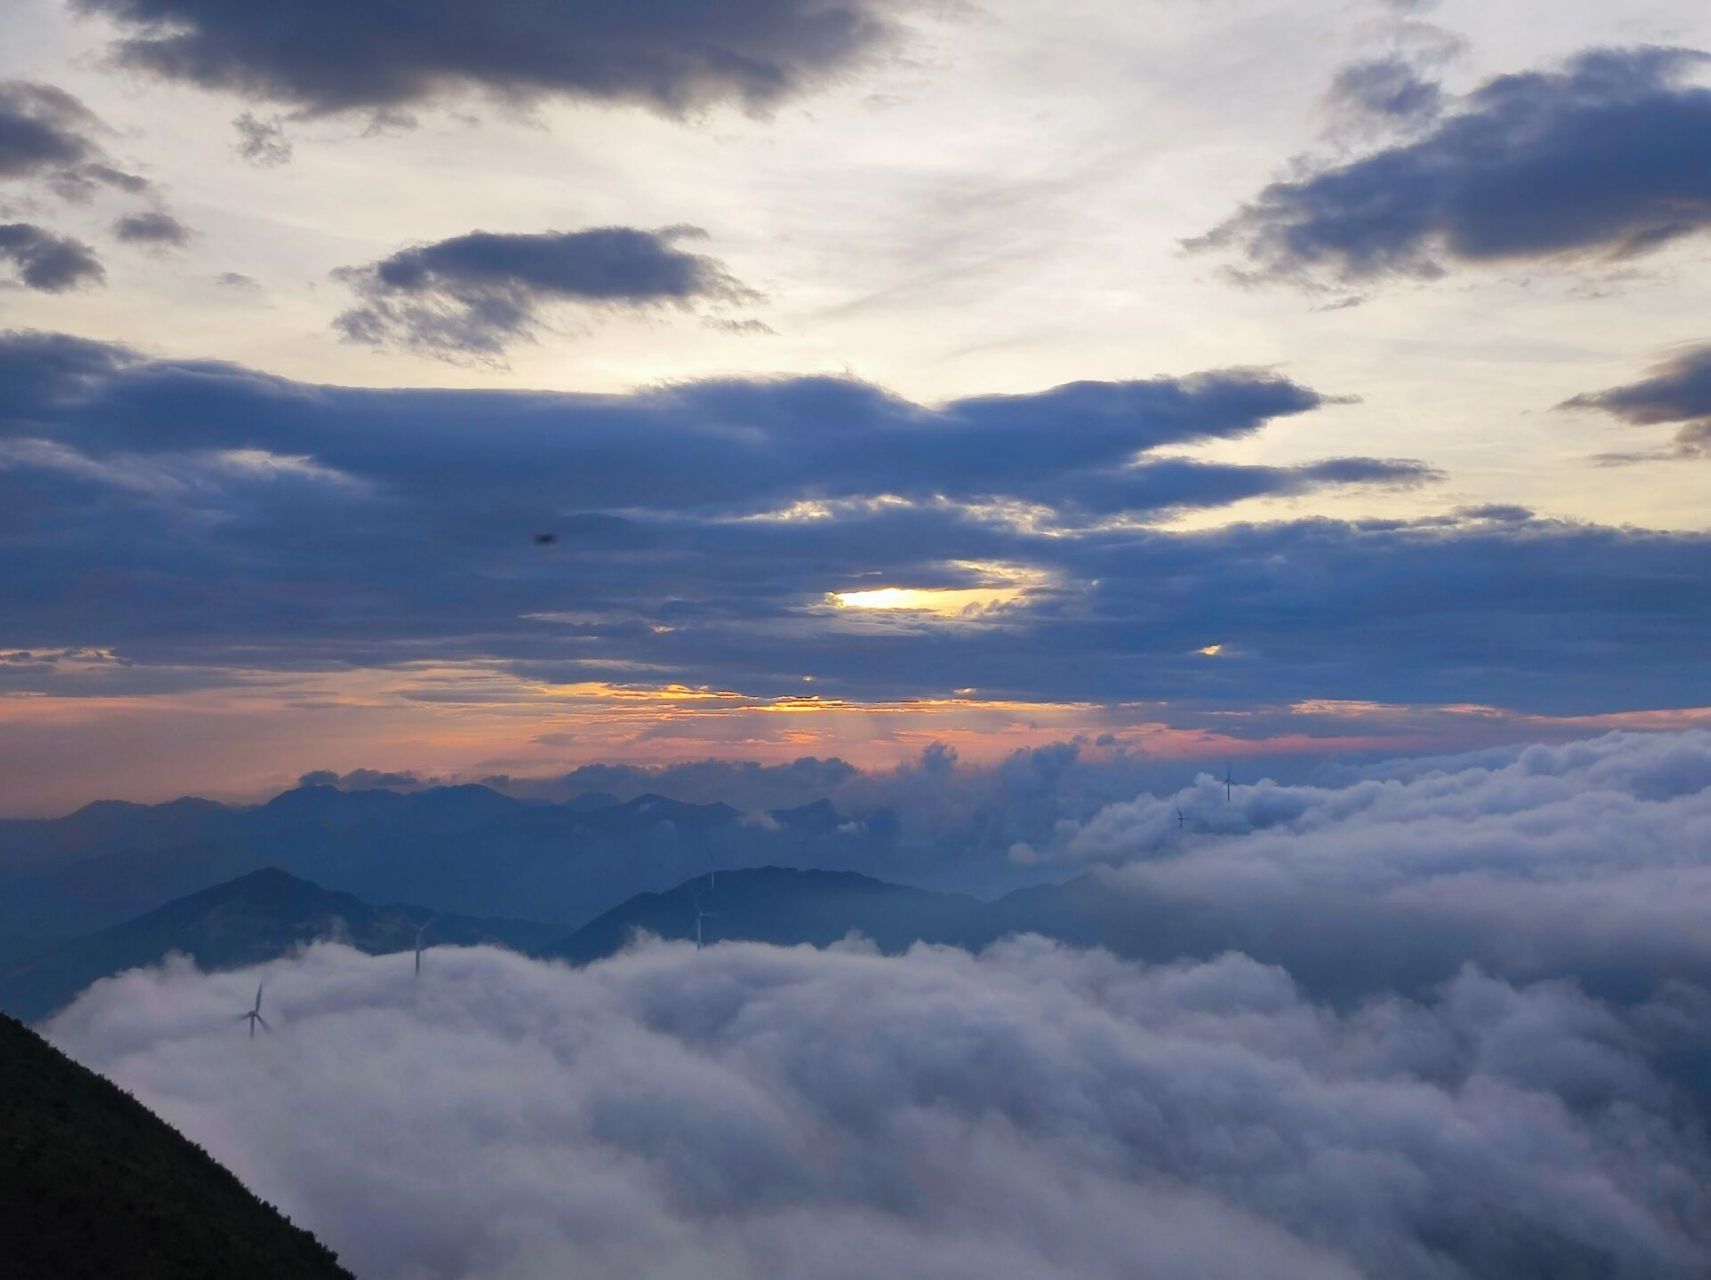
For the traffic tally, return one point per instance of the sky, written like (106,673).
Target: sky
(1209,379)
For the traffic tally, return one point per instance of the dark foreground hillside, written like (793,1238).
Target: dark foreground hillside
(93,1184)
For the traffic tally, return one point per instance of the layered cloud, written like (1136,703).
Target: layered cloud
(1590,860)
(1676,392)
(474,294)
(671,56)
(706,533)
(1032,1112)
(1605,158)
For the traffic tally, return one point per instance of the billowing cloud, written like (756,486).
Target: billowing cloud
(1605,158)
(474,294)
(744,784)
(672,56)
(1031,1112)
(1678,391)
(1590,860)
(48,262)
(362,780)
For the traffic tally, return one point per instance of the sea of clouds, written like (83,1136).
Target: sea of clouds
(1034,1111)
(1589,860)
(1439,1019)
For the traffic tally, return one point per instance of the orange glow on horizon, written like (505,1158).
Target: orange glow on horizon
(254,734)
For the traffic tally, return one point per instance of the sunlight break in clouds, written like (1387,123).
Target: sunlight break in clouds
(1033,1112)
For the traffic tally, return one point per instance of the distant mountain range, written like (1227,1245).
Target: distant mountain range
(787,907)
(257,917)
(466,849)
(264,914)
(93,1184)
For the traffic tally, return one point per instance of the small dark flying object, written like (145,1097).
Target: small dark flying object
(545,539)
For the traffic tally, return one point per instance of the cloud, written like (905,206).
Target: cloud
(672,57)
(475,294)
(280,524)
(1031,1112)
(48,262)
(743,784)
(42,129)
(156,229)
(1586,860)
(47,133)
(1676,391)
(362,780)
(262,142)
(1391,88)
(1604,159)
(727,448)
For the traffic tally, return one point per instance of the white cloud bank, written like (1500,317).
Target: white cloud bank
(1034,1112)
(1591,860)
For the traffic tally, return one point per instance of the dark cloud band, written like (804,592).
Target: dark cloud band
(1607,157)
(473,294)
(700,526)
(670,55)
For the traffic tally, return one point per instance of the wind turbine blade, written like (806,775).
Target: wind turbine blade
(258,988)
(263,1022)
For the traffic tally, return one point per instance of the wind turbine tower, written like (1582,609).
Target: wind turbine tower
(700,915)
(421,932)
(254,1015)
(1229,781)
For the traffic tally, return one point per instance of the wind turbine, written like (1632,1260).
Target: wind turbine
(421,930)
(254,1015)
(1180,820)
(1229,781)
(700,915)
